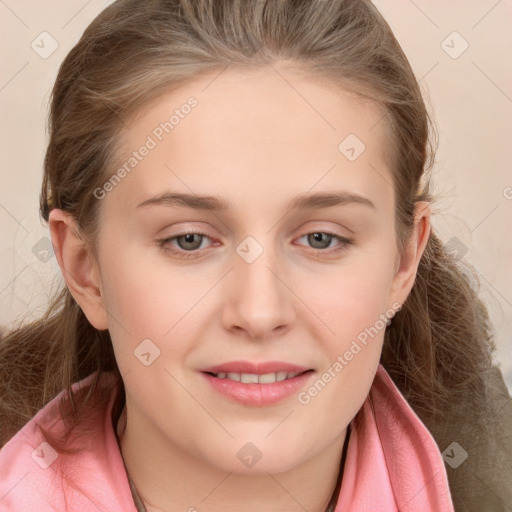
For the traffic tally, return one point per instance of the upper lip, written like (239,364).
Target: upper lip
(255,368)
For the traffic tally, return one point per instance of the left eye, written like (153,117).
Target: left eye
(191,242)
(321,237)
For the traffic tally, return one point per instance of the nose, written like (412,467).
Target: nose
(259,301)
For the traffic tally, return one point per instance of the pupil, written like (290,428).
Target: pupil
(187,241)
(317,237)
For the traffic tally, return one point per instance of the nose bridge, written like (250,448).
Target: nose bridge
(260,300)
(255,267)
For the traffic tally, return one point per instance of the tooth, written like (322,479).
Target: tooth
(252,378)
(267,378)
(248,378)
(281,376)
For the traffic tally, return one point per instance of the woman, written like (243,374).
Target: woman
(259,369)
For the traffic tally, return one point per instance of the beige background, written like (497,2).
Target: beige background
(470,94)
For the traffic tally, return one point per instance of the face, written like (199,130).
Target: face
(259,280)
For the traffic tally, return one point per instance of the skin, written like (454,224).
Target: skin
(257,141)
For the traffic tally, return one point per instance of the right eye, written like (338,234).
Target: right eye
(188,244)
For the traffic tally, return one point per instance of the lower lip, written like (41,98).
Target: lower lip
(258,394)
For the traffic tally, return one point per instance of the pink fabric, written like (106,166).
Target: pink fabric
(392,464)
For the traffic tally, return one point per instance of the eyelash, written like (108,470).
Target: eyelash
(180,253)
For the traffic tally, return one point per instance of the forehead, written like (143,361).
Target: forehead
(268,129)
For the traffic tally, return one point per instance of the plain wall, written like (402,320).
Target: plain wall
(469,93)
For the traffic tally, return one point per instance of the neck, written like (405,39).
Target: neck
(169,480)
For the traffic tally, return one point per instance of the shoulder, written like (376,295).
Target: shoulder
(35,476)
(477,441)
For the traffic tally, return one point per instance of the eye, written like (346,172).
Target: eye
(321,240)
(188,243)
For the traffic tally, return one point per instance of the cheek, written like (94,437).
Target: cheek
(154,302)
(352,306)
(146,292)
(351,298)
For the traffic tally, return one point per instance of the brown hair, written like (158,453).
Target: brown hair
(438,346)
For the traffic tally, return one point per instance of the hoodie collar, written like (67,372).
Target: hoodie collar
(393,462)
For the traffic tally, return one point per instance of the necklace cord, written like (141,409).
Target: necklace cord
(139,504)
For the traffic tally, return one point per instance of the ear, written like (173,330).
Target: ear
(78,267)
(407,265)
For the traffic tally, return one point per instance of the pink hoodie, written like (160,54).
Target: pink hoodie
(393,463)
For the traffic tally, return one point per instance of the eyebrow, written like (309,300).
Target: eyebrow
(212,203)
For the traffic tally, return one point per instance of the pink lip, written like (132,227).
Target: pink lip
(256,368)
(257,394)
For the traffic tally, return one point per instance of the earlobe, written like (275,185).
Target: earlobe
(405,276)
(78,267)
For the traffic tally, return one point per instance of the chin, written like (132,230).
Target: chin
(249,459)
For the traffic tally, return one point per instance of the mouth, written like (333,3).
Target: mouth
(257,384)
(254,378)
